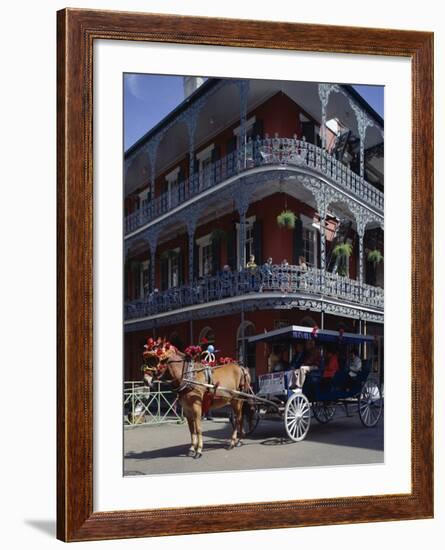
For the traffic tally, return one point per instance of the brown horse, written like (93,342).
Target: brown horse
(177,368)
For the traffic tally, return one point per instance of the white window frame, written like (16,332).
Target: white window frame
(143,196)
(170,269)
(144,266)
(202,157)
(172,179)
(249,125)
(202,243)
(249,222)
(312,225)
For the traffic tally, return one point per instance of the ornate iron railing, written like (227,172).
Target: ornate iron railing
(284,280)
(259,152)
(143,405)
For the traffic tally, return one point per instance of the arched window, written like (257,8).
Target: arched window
(208,334)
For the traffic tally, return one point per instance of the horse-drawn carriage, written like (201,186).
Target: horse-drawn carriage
(202,383)
(319,396)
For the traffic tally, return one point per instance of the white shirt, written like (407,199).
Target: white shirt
(355,366)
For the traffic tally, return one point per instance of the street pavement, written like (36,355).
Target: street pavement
(162,449)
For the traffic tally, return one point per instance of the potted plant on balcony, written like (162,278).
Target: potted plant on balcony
(375,257)
(342,252)
(287,219)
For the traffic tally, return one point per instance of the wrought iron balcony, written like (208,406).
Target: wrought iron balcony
(257,153)
(284,281)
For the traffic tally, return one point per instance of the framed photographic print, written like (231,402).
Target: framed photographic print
(244,275)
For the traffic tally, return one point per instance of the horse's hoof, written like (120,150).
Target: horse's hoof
(191,453)
(198,455)
(230,447)
(238,444)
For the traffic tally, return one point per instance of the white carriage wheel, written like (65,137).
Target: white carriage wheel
(297,416)
(370,404)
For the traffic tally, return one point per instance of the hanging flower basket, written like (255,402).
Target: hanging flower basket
(375,256)
(287,219)
(342,251)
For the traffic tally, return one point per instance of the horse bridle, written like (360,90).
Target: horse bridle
(159,371)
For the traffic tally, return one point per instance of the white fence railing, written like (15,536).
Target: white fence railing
(156,405)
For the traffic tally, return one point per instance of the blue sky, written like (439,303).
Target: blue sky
(149,98)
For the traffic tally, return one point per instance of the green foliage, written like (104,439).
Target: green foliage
(287,219)
(343,250)
(375,256)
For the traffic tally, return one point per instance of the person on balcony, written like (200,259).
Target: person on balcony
(266,274)
(251,265)
(226,278)
(285,276)
(252,269)
(302,269)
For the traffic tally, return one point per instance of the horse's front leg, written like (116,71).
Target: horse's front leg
(193,436)
(237,407)
(197,413)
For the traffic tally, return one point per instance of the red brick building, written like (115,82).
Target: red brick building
(204,190)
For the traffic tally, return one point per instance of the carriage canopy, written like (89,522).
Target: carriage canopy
(296,332)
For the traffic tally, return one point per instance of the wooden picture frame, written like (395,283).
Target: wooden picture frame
(77,31)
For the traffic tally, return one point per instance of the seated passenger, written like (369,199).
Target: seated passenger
(355,364)
(354,368)
(297,359)
(332,364)
(311,362)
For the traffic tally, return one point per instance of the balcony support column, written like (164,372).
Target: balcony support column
(242,205)
(243,86)
(320,197)
(363,122)
(361,263)
(153,147)
(191,120)
(152,239)
(324,91)
(191,221)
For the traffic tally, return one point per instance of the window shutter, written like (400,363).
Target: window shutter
(231,249)
(308,131)
(181,178)
(258,241)
(195,183)
(216,155)
(230,148)
(180,269)
(298,241)
(164,273)
(164,195)
(216,254)
(195,261)
(257,130)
